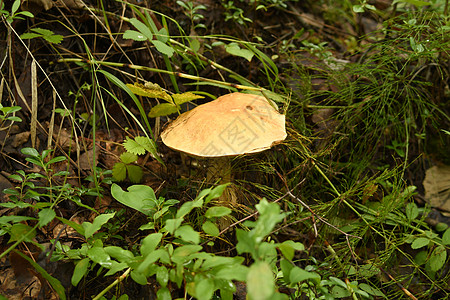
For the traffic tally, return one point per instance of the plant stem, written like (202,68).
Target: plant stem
(117,281)
(179,74)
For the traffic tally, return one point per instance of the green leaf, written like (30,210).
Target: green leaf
(188,206)
(420,242)
(80,270)
(147,143)
(288,248)
(55,39)
(270,215)
(26,14)
(204,289)
(99,221)
(421,257)
(233,272)
(163,48)
(338,281)
(340,292)
(412,211)
(246,244)
(119,171)
(163,109)
(142,28)
(46,215)
(134,35)
(163,35)
(216,192)
(358,8)
(128,157)
(43,31)
(133,147)
(182,254)
(234,49)
(150,242)
(118,253)
(210,228)
(135,173)
(297,275)
(217,211)
(55,283)
(30,152)
(162,276)
(446,237)
(185,97)
(116,267)
(151,90)
(260,281)
(14,219)
(99,255)
(138,278)
(15,7)
(139,197)
(139,145)
(188,234)
(18,231)
(29,35)
(163,294)
(371,290)
(150,259)
(286,268)
(173,224)
(437,258)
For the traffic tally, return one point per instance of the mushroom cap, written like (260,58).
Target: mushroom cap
(232,124)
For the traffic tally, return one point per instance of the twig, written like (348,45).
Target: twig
(404,290)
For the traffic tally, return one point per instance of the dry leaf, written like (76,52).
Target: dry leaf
(86,159)
(20,139)
(437,187)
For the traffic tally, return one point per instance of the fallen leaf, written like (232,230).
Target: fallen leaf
(437,187)
(20,139)
(86,159)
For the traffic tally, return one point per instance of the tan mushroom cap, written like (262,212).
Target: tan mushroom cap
(232,124)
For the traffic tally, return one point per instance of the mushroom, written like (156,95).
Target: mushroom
(231,125)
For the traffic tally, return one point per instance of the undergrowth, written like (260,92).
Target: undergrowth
(335,211)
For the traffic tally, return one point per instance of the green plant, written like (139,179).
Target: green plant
(363,6)
(191,10)
(7,113)
(124,168)
(37,191)
(174,101)
(171,252)
(46,34)
(14,14)
(234,13)
(148,32)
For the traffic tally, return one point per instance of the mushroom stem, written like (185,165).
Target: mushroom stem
(219,169)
